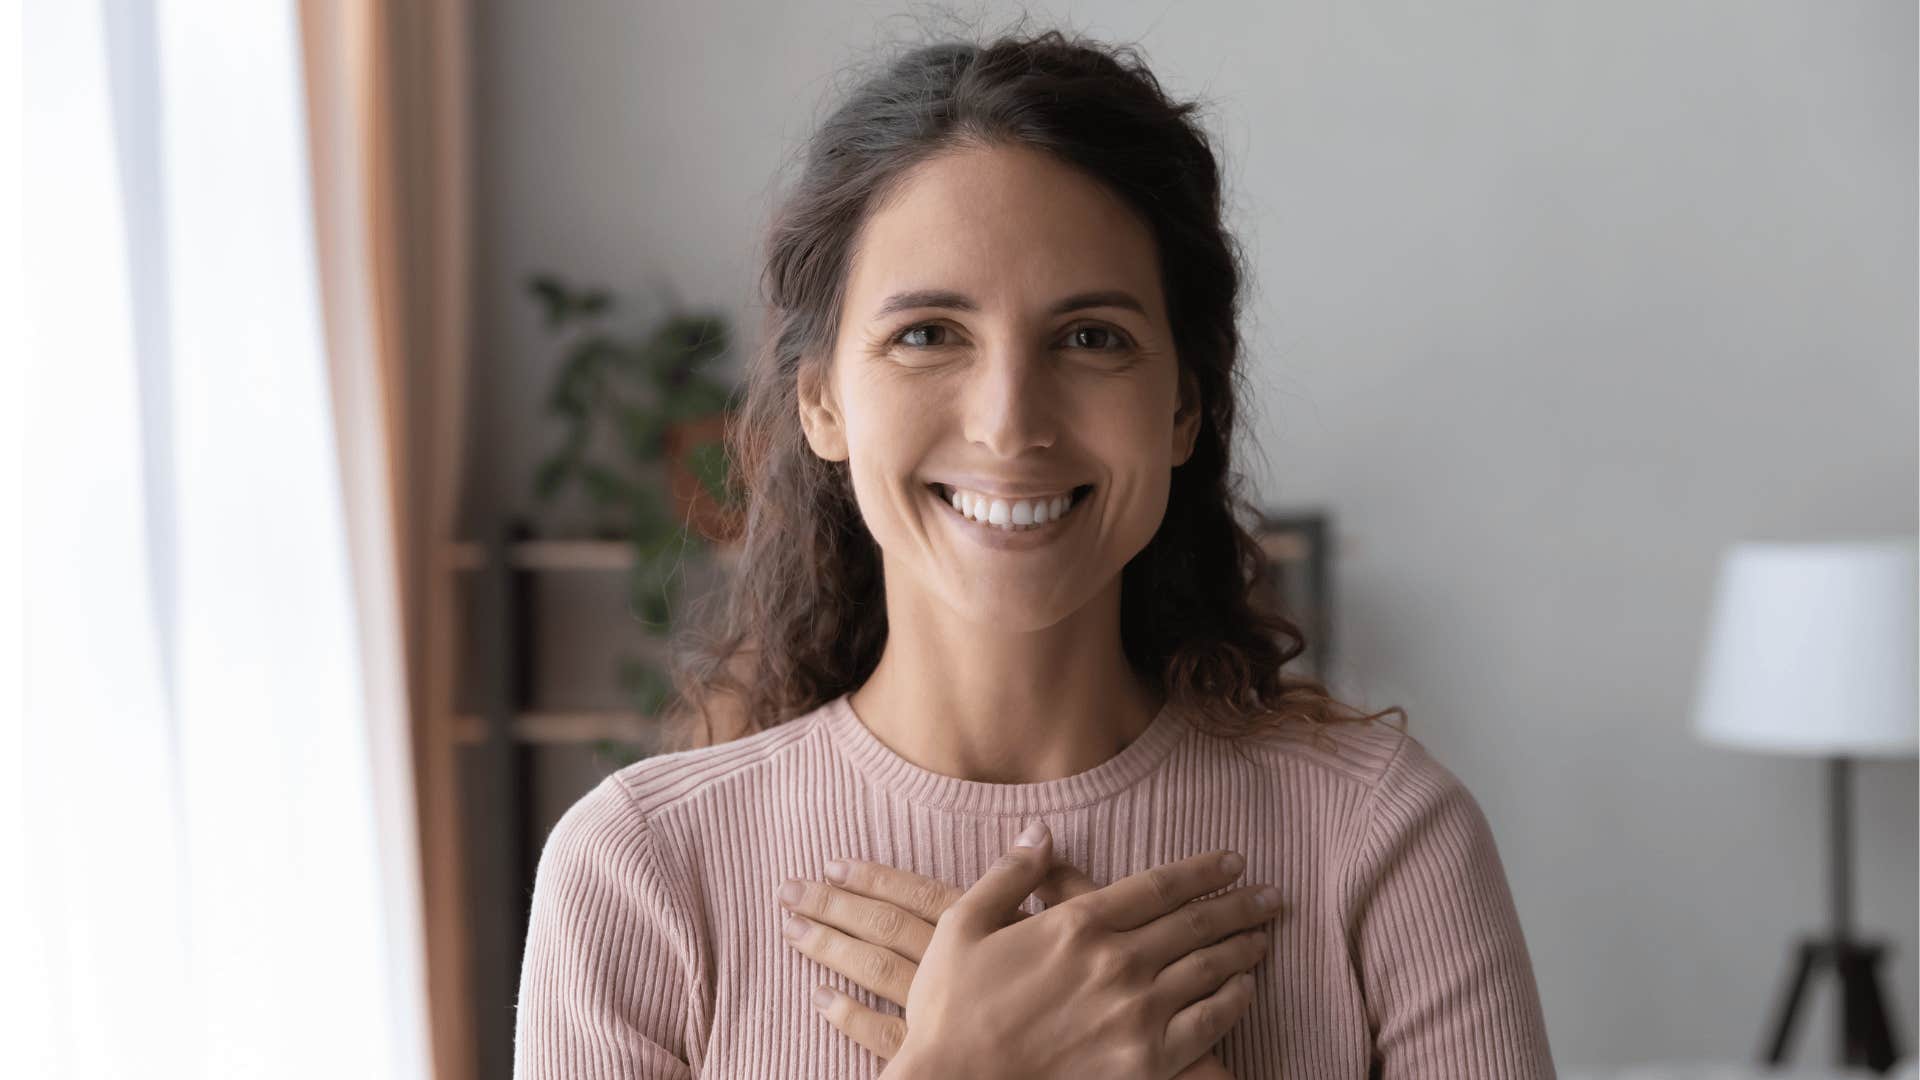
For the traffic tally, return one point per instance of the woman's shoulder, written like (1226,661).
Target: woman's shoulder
(623,814)
(1401,809)
(1366,753)
(658,782)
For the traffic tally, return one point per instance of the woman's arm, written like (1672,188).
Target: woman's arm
(1443,964)
(611,961)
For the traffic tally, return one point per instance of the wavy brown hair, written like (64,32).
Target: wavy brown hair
(802,619)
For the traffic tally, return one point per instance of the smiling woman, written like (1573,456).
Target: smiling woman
(995,577)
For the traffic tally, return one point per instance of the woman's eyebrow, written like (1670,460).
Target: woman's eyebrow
(946,298)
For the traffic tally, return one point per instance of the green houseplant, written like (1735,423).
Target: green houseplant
(643,425)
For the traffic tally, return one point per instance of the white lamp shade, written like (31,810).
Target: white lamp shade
(1811,650)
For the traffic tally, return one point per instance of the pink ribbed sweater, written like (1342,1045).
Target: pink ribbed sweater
(654,948)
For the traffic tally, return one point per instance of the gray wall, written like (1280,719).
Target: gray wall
(1552,301)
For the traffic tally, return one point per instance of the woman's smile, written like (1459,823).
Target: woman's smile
(1008,524)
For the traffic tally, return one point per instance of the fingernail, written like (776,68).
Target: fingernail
(822,997)
(1232,863)
(1032,836)
(1267,898)
(794,926)
(836,871)
(791,892)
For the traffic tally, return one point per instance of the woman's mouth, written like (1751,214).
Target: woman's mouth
(1011,515)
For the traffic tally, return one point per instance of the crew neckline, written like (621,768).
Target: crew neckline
(891,771)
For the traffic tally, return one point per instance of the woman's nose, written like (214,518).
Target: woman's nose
(1010,404)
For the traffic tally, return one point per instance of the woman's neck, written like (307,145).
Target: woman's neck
(987,705)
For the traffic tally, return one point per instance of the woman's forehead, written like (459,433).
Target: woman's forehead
(1001,224)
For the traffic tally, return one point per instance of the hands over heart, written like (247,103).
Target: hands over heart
(875,923)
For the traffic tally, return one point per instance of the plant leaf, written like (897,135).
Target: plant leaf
(553,475)
(643,431)
(688,342)
(647,514)
(649,593)
(551,292)
(605,485)
(708,462)
(647,686)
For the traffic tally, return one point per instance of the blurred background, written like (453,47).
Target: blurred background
(376,354)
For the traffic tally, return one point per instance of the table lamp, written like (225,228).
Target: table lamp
(1811,651)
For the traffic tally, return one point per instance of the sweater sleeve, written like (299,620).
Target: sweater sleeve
(1448,984)
(612,962)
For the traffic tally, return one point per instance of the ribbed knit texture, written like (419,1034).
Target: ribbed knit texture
(654,948)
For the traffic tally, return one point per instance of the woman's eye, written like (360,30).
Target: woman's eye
(1104,339)
(920,337)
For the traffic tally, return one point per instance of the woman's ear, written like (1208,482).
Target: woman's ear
(819,413)
(1186,419)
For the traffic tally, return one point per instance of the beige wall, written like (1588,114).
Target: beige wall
(1552,301)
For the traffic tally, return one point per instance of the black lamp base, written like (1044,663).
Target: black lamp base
(1866,1037)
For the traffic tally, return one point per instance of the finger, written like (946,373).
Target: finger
(922,896)
(878,1033)
(1064,882)
(1137,900)
(992,901)
(1194,1029)
(882,971)
(876,922)
(1204,971)
(1203,922)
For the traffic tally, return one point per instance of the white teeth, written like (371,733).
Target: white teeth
(1010,515)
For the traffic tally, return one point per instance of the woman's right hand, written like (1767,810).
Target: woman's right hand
(1135,979)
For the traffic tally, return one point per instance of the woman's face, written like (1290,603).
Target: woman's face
(1004,341)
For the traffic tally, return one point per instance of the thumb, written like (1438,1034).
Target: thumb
(1064,882)
(994,900)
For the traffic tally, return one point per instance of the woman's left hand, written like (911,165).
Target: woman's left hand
(872,922)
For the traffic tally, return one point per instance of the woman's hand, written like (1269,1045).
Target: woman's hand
(872,922)
(877,925)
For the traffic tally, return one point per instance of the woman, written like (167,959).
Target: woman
(993,579)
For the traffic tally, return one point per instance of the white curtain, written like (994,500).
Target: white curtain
(210,813)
